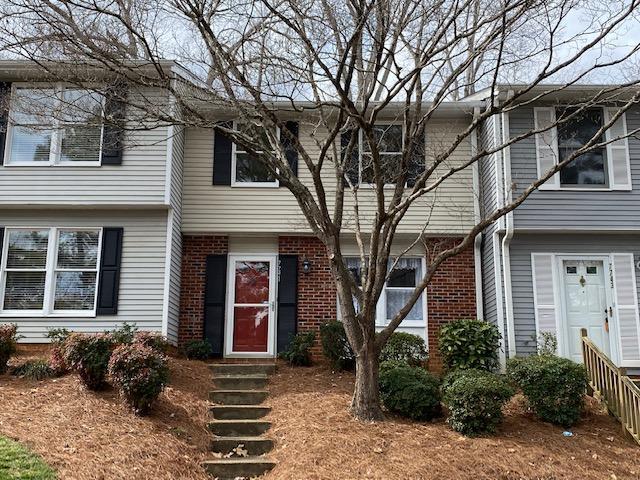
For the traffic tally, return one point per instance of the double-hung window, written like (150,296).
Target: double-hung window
(247,170)
(588,169)
(54,126)
(399,287)
(50,271)
(388,140)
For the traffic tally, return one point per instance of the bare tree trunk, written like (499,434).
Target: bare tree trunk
(365,404)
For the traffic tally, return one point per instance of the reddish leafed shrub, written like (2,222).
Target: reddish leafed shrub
(140,373)
(152,340)
(8,339)
(88,355)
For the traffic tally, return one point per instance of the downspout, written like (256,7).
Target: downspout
(497,257)
(506,241)
(477,242)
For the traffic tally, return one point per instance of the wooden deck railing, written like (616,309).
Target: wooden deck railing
(613,387)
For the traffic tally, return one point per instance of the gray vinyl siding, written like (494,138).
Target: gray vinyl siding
(566,209)
(140,180)
(141,276)
(177,156)
(521,279)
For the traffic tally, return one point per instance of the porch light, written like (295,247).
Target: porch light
(306,266)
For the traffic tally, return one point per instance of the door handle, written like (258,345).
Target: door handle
(606,324)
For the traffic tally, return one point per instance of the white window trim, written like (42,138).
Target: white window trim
(381,306)
(50,275)
(554,185)
(236,183)
(56,135)
(361,152)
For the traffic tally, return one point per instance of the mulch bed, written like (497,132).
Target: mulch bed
(87,435)
(317,439)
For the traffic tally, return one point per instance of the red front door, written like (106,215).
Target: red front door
(251,306)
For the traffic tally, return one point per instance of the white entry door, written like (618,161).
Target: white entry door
(585,305)
(251,306)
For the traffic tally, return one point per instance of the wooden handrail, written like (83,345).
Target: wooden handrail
(611,385)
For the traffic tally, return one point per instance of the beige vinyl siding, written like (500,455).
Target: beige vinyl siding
(141,276)
(175,236)
(139,180)
(226,209)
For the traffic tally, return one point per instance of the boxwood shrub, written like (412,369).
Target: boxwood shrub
(475,399)
(553,386)
(335,346)
(405,347)
(140,373)
(469,344)
(411,392)
(197,350)
(298,352)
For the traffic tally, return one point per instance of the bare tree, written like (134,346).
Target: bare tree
(340,67)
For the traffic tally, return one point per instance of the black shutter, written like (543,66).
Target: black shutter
(221,157)
(5,93)
(351,165)
(109,276)
(417,161)
(290,152)
(1,239)
(113,135)
(215,293)
(287,300)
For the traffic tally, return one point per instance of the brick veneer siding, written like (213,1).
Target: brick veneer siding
(451,295)
(195,249)
(316,290)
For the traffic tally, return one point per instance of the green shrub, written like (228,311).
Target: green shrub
(125,333)
(8,344)
(411,392)
(475,399)
(56,354)
(33,370)
(391,364)
(298,353)
(335,346)
(469,344)
(88,355)
(553,386)
(197,350)
(140,373)
(405,347)
(152,340)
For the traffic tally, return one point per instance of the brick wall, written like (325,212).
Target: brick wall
(451,295)
(316,290)
(195,249)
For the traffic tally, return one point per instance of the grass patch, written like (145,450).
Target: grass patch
(18,463)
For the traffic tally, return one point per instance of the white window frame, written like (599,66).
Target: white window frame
(236,183)
(606,187)
(57,126)
(381,306)
(361,152)
(50,274)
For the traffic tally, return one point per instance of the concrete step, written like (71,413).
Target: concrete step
(238,428)
(232,468)
(243,368)
(238,412)
(240,382)
(238,397)
(253,445)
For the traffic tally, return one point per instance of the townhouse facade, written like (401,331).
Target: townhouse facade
(567,258)
(176,230)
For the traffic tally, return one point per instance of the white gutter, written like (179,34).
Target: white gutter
(477,242)
(506,241)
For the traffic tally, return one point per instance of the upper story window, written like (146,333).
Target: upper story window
(49,271)
(388,139)
(589,169)
(246,169)
(402,281)
(54,126)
